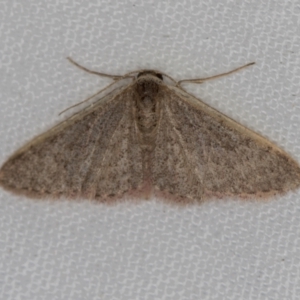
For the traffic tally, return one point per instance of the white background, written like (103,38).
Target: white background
(219,250)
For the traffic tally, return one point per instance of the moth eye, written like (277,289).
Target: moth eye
(158,75)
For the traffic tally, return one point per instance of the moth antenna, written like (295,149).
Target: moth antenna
(201,80)
(114,77)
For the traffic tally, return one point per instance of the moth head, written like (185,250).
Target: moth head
(153,73)
(148,83)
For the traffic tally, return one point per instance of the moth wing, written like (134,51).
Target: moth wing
(201,153)
(93,154)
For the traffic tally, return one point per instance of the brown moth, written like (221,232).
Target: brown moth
(149,138)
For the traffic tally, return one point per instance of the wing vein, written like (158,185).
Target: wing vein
(108,149)
(188,156)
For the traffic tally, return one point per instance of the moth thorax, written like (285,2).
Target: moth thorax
(147,104)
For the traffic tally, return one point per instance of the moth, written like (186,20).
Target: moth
(149,137)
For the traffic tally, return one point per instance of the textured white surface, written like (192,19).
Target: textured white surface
(219,250)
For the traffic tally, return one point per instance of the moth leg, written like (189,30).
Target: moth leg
(87,99)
